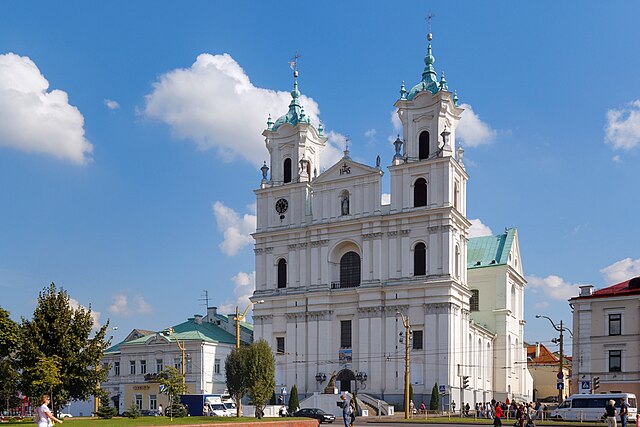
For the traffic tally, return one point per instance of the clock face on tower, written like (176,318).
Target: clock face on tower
(282,205)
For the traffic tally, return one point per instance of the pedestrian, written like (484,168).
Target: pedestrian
(610,412)
(466,409)
(412,408)
(453,406)
(352,411)
(346,407)
(497,420)
(520,415)
(422,408)
(43,416)
(160,412)
(624,412)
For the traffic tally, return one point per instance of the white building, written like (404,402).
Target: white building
(334,266)
(135,362)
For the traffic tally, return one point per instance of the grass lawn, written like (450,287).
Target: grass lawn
(144,421)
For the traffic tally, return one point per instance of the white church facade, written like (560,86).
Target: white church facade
(335,267)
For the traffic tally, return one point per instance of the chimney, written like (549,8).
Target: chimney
(211,314)
(586,290)
(537,350)
(197,318)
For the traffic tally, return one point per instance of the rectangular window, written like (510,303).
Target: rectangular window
(153,401)
(345,334)
(159,366)
(143,366)
(139,401)
(280,345)
(216,366)
(615,361)
(615,324)
(188,363)
(474,302)
(132,367)
(417,340)
(177,363)
(116,368)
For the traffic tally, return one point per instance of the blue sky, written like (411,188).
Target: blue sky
(130,137)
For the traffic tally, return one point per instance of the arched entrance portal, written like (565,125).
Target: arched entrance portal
(345,377)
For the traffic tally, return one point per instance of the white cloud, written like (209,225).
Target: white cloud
(244,284)
(214,104)
(621,271)
(554,287)
(472,131)
(111,104)
(616,159)
(385,199)
(95,315)
(34,120)
(333,150)
(371,133)
(122,307)
(478,229)
(541,304)
(236,229)
(395,121)
(623,127)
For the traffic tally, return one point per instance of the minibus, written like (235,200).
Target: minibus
(590,407)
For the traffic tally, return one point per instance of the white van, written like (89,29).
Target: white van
(590,407)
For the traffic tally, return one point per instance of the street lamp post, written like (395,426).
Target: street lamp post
(407,376)
(240,318)
(560,328)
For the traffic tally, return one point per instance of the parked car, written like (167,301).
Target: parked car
(316,413)
(63,415)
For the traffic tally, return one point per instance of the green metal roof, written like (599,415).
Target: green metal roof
(489,251)
(186,331)
(295,114)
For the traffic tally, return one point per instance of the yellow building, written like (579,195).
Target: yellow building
(544,367)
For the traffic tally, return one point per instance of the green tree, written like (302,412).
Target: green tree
(294,403)
(260,374)
(273,400)
(434,404)
(9,340)
(59,330)
(173,383)
(105,411)
(235,374)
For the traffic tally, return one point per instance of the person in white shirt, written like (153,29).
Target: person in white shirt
(43,416)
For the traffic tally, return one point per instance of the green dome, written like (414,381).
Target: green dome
(295,114)
(429,80)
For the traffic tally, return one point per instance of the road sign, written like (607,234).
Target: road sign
(560,386)
(283,390)
(560,375)
(442,389)
(163,388)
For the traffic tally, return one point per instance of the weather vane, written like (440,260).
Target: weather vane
(429,18)
(294,63)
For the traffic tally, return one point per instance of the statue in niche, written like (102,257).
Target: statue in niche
(331,386)
(344,204)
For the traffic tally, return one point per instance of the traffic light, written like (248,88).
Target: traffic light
(465,381)
(596,383)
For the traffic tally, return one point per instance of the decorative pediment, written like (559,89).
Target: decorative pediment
(346,169)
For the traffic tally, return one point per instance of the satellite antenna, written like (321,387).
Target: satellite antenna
(293,64)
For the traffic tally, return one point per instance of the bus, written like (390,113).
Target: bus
(590,407)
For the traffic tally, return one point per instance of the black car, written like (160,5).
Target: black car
(316,413)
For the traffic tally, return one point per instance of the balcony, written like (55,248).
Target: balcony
(344,285)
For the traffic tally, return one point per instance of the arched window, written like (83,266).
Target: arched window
(282,273)
(423,145)
(344,203)
(420,260)
(287,170)
(420,193)
(513,300)
(350,270)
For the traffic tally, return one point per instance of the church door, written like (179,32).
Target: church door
(345,377)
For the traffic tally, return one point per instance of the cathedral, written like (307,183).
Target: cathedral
(337,270)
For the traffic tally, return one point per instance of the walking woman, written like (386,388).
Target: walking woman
(43,416)
(497,420)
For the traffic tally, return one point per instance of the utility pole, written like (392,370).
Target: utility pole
(407,364)
(560,365)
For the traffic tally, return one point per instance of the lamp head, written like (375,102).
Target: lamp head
(538,316)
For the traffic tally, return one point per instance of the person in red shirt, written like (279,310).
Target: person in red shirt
(497,421)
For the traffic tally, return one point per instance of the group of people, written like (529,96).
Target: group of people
(610,413)
(523,413)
